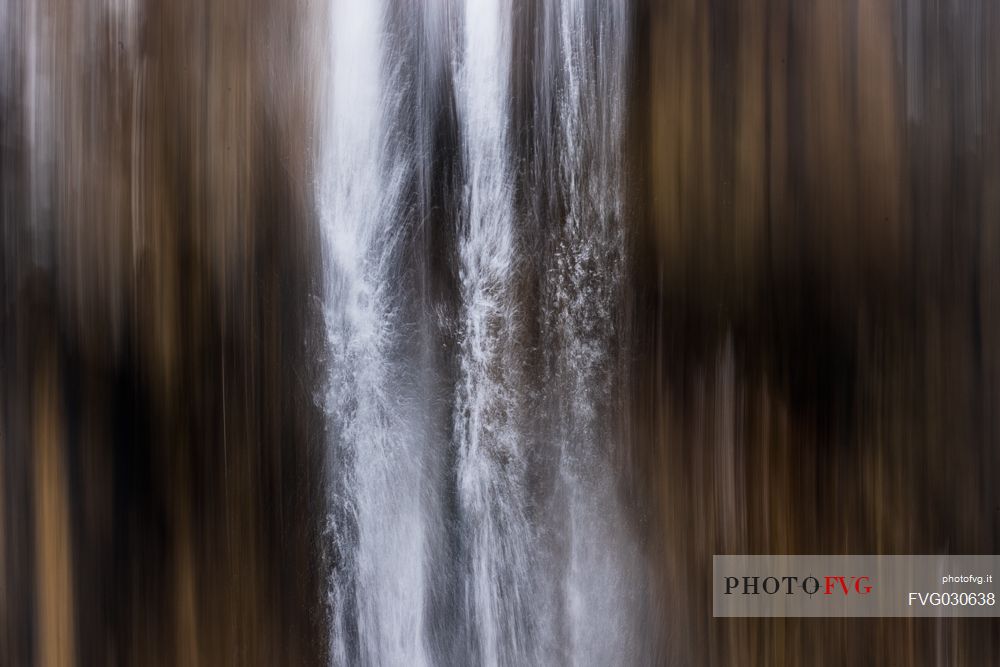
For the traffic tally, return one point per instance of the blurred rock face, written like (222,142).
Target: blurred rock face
(160,446)
(811,304)
(817,298)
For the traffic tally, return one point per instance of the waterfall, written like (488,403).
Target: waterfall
(583,325)
(475,515)
(377,522)
(491,469)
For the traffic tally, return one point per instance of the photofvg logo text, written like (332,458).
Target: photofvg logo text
(866,586)
(791,585)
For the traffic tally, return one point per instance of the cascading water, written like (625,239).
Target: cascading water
(582,332)
(377,521)
(475,514)
(491,467)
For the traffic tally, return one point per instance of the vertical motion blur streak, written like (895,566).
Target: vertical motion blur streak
(496,536)
(584,268)
(377,518)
